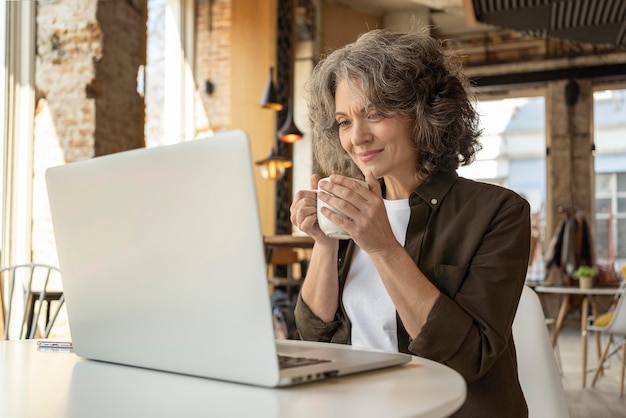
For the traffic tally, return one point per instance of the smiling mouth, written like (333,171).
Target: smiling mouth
(368,155)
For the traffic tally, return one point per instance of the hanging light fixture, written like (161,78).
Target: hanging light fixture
(270,100)
(289,132)
(273,166)
(572,92)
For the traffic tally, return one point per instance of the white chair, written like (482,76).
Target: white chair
(550,323)
(616,331)
(539,374)
(597,324)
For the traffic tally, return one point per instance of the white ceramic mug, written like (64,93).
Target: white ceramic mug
(329,228)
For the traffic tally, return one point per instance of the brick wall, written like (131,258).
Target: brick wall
(69,40)
(88,53)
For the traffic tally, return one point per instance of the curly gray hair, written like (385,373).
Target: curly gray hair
(401,75)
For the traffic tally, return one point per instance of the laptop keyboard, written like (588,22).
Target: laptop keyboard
(286,362)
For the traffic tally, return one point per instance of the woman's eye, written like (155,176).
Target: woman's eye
(375,115)
(342,123)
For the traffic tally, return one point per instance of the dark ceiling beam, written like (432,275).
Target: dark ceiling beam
(604,72)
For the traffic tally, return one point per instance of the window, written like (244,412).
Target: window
(513,156)
(611,215)
(610,169)
(514,144)
(169,85)
(3,104)
(17,101)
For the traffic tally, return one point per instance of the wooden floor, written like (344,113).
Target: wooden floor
(601,401)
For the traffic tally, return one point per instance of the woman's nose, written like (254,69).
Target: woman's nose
(360,133)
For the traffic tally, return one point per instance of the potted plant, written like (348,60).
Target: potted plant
(585,274)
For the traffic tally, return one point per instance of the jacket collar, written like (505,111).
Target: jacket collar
(434,190)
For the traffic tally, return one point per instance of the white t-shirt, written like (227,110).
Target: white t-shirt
(367,303)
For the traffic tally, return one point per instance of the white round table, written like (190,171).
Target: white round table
(59,384)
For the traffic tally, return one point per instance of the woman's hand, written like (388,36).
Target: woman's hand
(366,222)
(303,212)
(412,293)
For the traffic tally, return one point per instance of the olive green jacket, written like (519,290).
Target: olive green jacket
(472,241)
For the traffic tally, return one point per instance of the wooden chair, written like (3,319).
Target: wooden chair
(31,281)
(283,261)
(284,286)
(596,323)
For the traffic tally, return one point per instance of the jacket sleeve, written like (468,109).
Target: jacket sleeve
(469,327)
(312,328)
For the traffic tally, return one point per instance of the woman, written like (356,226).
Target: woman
(436,263)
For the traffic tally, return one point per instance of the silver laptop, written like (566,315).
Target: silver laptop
(163,266)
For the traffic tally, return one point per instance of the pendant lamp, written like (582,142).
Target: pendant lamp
(289,132)
(273,166)
(270,100)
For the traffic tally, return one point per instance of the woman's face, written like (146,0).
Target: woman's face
(375,143)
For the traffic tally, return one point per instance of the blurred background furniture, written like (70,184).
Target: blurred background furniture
(539,374)
(281,274)
(588,298)
(616,333)
(25,294)
(287,257)
(286,241)
(598,323)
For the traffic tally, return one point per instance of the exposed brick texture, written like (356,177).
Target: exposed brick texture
(88,55)
(69,40)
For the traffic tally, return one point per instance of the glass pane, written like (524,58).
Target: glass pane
(514,151)
(603,183)
(621,238)
(603,206)
(609,117)
(621,182)
(621,204)
(601,238)
(155,73)
(514,145)
(3,100)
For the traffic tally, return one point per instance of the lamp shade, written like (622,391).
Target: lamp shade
(289,132)
(270,100)
(572,91)
(273,166)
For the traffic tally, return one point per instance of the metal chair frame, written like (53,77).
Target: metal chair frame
(30,272)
